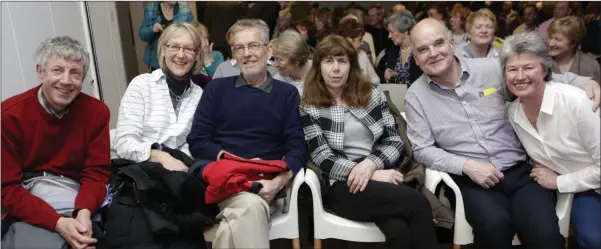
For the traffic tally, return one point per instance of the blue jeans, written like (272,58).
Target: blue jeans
(587,219)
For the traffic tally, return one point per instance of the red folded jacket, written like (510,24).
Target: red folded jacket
(232,175)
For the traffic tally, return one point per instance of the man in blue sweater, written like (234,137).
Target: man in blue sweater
(250,116)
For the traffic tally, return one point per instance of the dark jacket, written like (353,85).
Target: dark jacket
(152,205)
(415,173)
(389,61)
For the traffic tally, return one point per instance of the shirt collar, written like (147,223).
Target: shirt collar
(233,62)
(265,86)
(46,105)
(465,74)
(548,99)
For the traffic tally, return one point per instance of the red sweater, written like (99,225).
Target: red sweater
(76,146)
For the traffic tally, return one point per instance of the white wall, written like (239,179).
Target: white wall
(109,55)
(24,26)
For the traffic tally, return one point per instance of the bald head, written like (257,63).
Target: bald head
(398,8)
(428,26)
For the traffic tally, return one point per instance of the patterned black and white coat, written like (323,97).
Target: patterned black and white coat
(324,132)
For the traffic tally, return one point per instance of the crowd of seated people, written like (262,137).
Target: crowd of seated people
(513,121)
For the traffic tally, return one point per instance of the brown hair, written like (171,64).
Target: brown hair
(572,27)
(351,29)
(462,11)
(356,92)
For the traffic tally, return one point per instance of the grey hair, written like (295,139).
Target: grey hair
(243,24)
(527,42)
(402,21)
(64,47)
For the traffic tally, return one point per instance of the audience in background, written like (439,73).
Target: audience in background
(528,16)
(353,32)
(292,58)
(157,16)
(560,10)
(480,27)
(457,20)
(398,65)
(210,58)
(375,26)
(565,36)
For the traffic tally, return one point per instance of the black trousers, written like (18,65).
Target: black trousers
(402,213)
(515,205)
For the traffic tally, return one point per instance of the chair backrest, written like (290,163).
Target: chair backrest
(397,94)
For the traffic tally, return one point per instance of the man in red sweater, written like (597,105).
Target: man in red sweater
(55,153)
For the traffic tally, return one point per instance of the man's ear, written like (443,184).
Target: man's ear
(39,71)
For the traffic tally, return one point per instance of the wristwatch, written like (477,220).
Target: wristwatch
(156,146)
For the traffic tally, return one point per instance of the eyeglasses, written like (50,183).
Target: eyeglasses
(253,47)
(176,49)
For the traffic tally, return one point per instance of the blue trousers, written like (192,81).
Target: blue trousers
(586,219)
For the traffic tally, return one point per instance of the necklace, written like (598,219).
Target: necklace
(178,98)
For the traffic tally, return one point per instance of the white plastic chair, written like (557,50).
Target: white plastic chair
(331,226)
(397,94)
(284,222)
(463,234)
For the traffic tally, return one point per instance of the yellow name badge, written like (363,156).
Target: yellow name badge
(489,91)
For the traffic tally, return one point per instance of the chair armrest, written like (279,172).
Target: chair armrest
(292,191)
(312,181)
(433,178)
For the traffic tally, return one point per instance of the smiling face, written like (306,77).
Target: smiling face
(482,31)
(525,74)
(335,71)
(61,80)
(180,54)
(432,48)
(253,55)
(559,44)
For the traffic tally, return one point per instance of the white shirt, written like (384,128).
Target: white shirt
(367,68)
(147,116)
(567,140)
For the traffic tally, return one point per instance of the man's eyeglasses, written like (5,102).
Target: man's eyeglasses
(176,49)
(253,47)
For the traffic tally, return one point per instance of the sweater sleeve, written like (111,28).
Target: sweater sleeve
(201,138)
(17,201)
(295,147)
(95,173)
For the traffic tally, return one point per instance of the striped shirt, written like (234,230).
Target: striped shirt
(147,116)
(448,126)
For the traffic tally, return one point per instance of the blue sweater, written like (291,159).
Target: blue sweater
(249,123)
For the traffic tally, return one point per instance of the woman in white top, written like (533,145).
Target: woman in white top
(157,108)
(353,31)
(292,58)
(480,27)
(557,128)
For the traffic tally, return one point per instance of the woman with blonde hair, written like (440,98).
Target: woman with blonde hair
(157,108)
(565,37)
(354,140)
(480,27)
(292,58)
